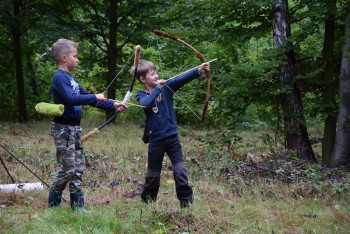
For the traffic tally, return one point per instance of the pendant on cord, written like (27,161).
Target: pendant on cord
(155,109)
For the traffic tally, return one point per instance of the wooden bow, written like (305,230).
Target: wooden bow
(201,58)
(126,97)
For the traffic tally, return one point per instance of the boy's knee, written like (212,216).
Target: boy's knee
(180,172)
(153,173)
(179,167)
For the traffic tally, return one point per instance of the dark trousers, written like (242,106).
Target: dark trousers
(156,151)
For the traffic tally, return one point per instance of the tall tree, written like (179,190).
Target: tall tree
(328,94)
(296,133)
(341,153)
(16,30)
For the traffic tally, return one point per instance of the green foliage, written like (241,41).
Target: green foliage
(267,139)
(252,81)
(318,179)
(341,187)
(243,21)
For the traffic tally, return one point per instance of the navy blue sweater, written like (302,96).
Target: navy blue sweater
(67,91)
(162,124)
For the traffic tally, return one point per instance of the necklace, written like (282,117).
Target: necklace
(158,99)
(155,109)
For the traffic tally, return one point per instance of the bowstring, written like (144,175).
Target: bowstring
(177,96)
(182,101)
(159,57)
(115,77)
(132,55)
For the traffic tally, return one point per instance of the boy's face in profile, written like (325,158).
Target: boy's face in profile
(71,59)
(151,78)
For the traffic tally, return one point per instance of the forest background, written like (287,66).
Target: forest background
(282,65)
(285,78)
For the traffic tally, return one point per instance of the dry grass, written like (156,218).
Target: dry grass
(116,168)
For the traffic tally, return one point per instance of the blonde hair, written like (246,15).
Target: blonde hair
(62,46)
(143,68)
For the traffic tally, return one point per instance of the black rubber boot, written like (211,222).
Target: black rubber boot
(54,199)
(185,203)
(77,201)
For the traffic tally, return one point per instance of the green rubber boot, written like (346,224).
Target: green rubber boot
(54,199)
(77,201)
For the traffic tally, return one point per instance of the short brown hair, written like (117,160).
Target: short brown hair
(62,46)
(143,68)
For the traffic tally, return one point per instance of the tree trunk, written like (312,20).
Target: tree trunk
(328,94)
(341,152)
(296,133)
(16,35)
(32,77)
(112,53)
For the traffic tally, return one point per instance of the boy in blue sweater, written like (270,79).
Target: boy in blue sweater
(161,129)
(66,129)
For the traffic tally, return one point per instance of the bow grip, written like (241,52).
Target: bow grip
(90,134)
(127,98)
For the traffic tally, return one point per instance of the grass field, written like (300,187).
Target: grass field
(116,168)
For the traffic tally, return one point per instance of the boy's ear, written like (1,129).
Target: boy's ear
(142,79)
(63,57)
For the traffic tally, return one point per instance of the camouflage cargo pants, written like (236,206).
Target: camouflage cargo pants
(70,158)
